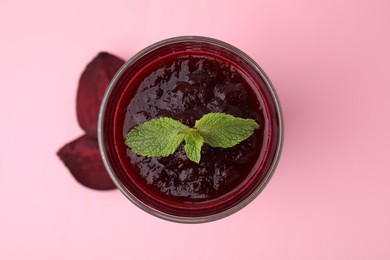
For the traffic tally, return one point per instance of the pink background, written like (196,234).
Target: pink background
(329,62)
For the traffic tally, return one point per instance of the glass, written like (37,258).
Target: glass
(111,139)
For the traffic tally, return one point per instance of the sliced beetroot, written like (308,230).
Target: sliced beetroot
(92,85)
(82,157)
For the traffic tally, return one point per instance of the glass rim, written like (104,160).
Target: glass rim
(156,212)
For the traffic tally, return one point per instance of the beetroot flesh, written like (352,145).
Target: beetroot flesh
(92,85)
(83,159)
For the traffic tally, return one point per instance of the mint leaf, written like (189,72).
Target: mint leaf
(162,136)
(193,146)
(157,137)
(223,130)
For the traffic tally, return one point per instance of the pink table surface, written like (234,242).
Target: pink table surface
(329,62)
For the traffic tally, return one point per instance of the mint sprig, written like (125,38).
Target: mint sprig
(162,136)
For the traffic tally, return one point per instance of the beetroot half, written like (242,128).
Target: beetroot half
(92,85)
(83,159)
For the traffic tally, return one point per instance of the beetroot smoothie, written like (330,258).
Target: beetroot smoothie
(184,79)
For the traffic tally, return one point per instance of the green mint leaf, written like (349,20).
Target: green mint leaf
(193,146)
(157,137)
(162,136)
(223,130)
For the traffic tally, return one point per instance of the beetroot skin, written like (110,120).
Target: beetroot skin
(82,157)
(92,85)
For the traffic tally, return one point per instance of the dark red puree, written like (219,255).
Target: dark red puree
(185,86)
